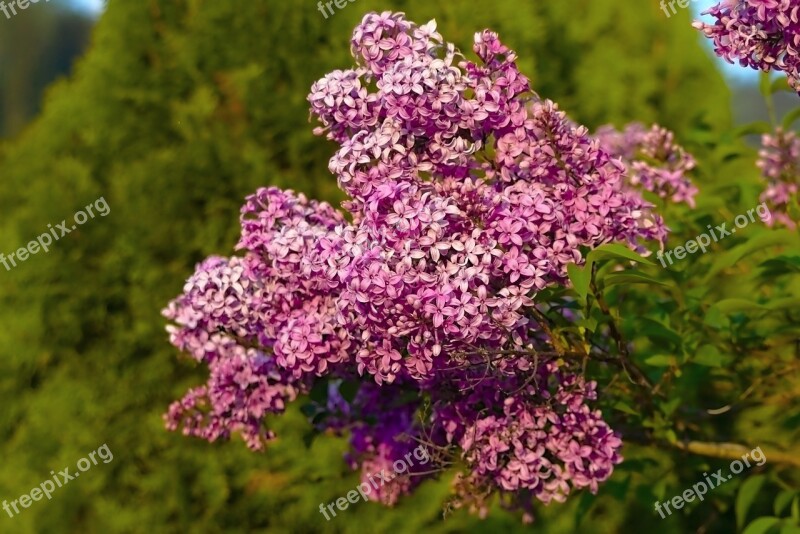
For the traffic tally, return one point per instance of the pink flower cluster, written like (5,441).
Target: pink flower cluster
(760,34)
(468,195)
(653,160)
(217,319)
(779,161)
(543,440)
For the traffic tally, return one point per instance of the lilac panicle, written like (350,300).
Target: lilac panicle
(467,195)
(779,161)
(653,160)
(759,34)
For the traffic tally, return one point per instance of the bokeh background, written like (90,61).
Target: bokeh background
(173,111)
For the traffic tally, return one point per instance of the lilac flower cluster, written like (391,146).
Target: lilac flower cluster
(653,160)
(468,195)
(542,441)
(779,161)
(760,34)
(245,386)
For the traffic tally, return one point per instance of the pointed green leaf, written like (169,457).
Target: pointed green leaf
(780,265)
(790,117)
(730,258)
(710,356)
(615,251)
(646,326)
(762,525)
(754,128)
(660,360)
(744,499)
(581,278)
(782,501)
(631,277)
(731,306)
(621,406)
(781,83)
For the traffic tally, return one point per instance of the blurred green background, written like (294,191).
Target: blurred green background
(174,111)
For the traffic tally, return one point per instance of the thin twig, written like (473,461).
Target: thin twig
(636,375)
(734,451)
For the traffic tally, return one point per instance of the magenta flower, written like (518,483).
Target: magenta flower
(779,161)
(467,195)
(653,160)
(760,34)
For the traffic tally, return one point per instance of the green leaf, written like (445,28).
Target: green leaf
(780,265)
(584,505)
(768,239)
(645,326)
(348,389)
(589,323)
(710,356)
(621,406)
(669,407)
(754,128)
(660,360)
(787,528)
(716,319)
(309,410)
(790,117)
(319,393)
(744,499)
(789,303)
(319,417)
(581,278)
(618,488)
(781,83)
(309,437)
(615,251)
(631,277)
(762,525)
(782,501)
(731,306)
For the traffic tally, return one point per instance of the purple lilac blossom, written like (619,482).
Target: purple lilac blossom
(653,160)
(543,440)
(779,161)
(760,34)
(467,195)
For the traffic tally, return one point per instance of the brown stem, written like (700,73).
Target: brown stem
(734,451)
(636,375)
